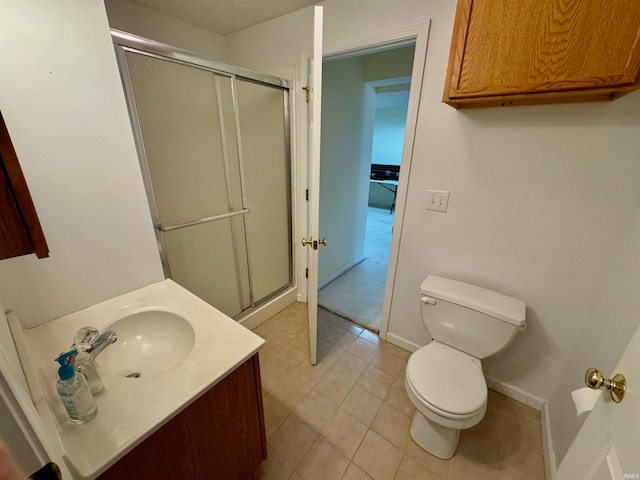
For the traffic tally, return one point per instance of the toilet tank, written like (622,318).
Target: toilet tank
(472,319)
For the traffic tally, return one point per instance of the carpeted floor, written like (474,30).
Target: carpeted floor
(358,294)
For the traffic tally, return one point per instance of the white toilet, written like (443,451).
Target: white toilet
(444,379)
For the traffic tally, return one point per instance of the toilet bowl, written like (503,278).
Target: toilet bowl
(444,379)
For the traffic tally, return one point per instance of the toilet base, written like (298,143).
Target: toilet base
(434,438)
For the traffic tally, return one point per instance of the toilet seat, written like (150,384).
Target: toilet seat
(447,381)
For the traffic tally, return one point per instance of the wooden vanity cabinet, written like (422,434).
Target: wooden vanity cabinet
(515,52)
(219,436)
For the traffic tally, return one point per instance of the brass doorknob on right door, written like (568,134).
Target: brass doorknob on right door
(617,386)
(306,242)
(323,241)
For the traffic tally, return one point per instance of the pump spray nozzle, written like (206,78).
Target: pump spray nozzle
(66,371)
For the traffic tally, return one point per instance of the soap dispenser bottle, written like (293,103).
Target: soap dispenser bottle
(74,391)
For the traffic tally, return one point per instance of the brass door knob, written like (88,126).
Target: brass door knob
(617,386)
(306,242)
(323,241)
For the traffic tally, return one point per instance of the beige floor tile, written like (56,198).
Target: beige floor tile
(521,463)
(363,350)
(271,374)
(398,397)
(362,404)
(309,374)
(347,325)
(376,381)
(345,432)
(354,472)
(334,386)
(395,350)
(393,425)
(302,341)
(411,469)
(436,464)
(322,462)
(388,363)
(295,476)
(328,353)
(289,357)
(273,468)
(316,410)
(290,392)
(349,366)
(465,464)
(274,414)
(378,457)
(370,337)
(483,441)
(292,439)
(522,430)
(341,338)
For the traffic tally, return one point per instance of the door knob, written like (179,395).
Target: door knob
(617,385)
(323,241)
(306,242)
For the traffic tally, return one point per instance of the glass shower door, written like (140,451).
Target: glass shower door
(186,117)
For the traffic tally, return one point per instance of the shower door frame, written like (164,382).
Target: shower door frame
(126,42)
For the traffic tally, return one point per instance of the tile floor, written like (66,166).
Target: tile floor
(348,417)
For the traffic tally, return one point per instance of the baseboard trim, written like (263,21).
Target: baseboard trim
(401,342)
(516,393)
(269,309)
(547,444)
(341,271)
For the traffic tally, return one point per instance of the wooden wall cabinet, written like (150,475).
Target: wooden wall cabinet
(219,436)
(20,231)
(516,52)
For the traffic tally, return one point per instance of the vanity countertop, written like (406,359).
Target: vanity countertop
(130,409)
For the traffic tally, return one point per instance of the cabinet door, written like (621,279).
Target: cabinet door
(20,231)
(219,436)
(533,51)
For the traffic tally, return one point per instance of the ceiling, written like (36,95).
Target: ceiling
(226,16)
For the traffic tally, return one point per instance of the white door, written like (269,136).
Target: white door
(608,444)
(315,102)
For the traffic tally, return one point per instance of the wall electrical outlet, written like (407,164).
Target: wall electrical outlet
(437,200)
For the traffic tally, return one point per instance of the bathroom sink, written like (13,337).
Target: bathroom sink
(149,342)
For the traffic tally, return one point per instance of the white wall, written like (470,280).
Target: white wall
(539,197)
(62,100)
(138,19)
(388,135)
(347,130)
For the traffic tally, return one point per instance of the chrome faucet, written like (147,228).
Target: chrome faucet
(92,337)
(103,341)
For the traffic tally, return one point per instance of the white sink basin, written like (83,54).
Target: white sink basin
(149,342)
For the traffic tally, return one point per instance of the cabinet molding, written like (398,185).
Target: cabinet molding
(514,52)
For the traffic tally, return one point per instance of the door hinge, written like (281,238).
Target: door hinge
(306,90)
(306,195)
(306,273)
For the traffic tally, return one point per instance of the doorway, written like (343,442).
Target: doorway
(364,113)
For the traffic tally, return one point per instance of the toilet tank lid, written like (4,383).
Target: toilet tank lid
(486,301)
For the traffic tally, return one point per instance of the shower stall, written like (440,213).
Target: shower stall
(213,141)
